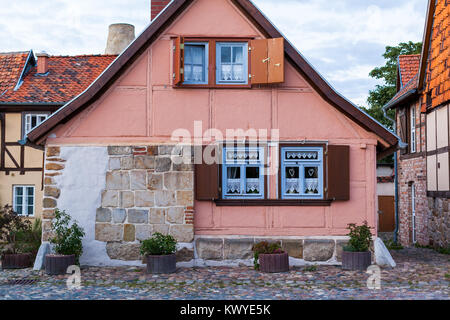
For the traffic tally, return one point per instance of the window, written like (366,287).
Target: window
(301,172)
(196,63)
(413,129)
(232,62)
(32,120)
(23,200)
(243,173)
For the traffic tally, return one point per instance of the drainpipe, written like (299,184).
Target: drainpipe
(401,144)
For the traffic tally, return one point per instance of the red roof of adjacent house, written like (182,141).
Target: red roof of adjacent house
(409,66)
(67,77)
(11,66)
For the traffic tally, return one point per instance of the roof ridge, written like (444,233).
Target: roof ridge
(14,52)
(84,55)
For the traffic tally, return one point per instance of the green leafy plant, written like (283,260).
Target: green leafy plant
(264,247)
(68,235)
(29,240)
(159,244)
(391,245)
(11,227)
(311,268)
(360,237)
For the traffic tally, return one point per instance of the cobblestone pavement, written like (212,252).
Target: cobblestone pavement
(420,274)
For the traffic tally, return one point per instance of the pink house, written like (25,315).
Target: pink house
(213,128)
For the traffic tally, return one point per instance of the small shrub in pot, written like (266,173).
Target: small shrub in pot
(67,244)
(17,239)
(356,255)
(268,257)
(159,253)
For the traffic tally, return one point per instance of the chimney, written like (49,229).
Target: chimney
(119,37)
(42,62)
(158,6)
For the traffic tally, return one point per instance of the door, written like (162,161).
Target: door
(386,210)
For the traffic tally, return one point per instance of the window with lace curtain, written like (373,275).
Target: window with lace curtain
(196,63)
(231,62)
(243,173)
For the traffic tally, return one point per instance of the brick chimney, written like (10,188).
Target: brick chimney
(42,62)
(158,6)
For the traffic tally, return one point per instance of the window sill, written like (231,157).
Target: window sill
(271,202)
(213,86)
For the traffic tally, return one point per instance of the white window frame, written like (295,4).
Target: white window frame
(243,164)
(205,67)
(25,197)
(413,128)
(219,46)
(28,117)
(301,164)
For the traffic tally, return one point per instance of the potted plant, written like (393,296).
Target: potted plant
(67,244)
(15,251)
(159,253)
(356,255)
(268,257)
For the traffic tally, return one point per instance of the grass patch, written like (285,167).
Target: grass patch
(440,250)
(391,245)
(310,268)
(447,276)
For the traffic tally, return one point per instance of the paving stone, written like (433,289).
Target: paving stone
(209,248)
(137,216)
(238,249)
(318,250)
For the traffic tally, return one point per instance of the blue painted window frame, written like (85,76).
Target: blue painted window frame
(301,164)
(243,164)
(205,61)
(219,46)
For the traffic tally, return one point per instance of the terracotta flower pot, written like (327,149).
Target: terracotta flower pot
(16,261)
(275,262)
(57,264)
(356,260)
(161,264)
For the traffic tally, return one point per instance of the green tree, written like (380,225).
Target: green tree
(382,94)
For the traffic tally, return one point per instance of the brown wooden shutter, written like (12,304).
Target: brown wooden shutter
(178,61)
(403,129)
(207,177)
(338,172)
(258,62)
(276,62)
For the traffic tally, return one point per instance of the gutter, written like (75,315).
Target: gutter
(408,95)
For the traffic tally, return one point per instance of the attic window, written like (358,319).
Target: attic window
(232,62)
(196,63)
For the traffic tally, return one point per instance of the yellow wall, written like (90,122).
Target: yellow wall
(33,159)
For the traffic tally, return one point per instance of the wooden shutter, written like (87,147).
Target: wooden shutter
(338,172)
(403,129)
(178,61)
(267,61)
(276,62)
(258,62)
(206,177)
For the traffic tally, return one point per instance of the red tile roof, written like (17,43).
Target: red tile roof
(409,66)
(67,77)
(11,66)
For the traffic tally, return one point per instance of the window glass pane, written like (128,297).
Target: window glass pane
(19,200)
(19,210)
(311,185)
(33,121)
(233,180)
(238,72)
(225,55)
(301,155)
(238,54)
(226,74)
(30,210)
(30,200)
(195,63)
(292,180)
(19,191)
(252,180)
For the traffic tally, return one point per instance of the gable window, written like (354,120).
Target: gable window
(23,200)
(302,173)
(32,120)
(413,129)
(243,173)
(232,63)
(196,63)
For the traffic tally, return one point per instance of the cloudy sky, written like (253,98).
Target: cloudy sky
(343,39)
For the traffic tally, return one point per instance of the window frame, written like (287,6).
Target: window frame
(320,163)
(245,63)
(412,129)
(32,113)
(211,70)
(261,164)
(25,199)
(206,66)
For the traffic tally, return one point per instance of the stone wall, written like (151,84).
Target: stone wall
(146,190)
(439,222)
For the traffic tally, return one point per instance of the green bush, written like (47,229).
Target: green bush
(29,240)
(68,235)
(391,245)
(264,247)
(12,229)
(360,237)
(158,245)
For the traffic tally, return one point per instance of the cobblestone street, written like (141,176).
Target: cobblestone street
(420,274)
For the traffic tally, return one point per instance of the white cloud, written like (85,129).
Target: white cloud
(344,39)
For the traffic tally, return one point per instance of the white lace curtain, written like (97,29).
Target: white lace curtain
(194,63)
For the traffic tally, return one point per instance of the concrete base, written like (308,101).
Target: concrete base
(40,257)
(382,255)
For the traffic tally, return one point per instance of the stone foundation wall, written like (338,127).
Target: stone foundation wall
(439,222)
